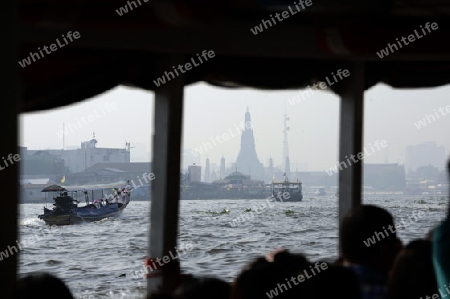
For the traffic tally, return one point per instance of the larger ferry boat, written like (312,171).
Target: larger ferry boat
(287,191)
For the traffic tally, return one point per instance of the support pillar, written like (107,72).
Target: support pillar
(166,167)
(9,87)
(351,138)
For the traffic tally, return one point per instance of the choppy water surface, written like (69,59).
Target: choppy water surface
(97,260)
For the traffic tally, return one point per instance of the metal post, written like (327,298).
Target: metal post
(351,138)
(166,167)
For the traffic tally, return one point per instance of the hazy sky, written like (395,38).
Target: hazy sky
(126,115)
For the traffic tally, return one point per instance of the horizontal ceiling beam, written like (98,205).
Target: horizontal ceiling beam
(281,40)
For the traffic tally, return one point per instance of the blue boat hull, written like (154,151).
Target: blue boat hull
(82,214)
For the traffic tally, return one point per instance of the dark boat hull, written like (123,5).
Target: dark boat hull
(293,197)
(81,215)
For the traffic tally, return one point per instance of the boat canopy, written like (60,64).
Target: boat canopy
(53,188)
(56,188)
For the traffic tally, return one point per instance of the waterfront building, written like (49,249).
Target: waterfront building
(424,154)
(79,159)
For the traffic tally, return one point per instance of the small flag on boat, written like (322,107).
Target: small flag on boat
(63,179)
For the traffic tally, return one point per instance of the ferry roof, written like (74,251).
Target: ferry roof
(55,188)
(286,182)
(114,50)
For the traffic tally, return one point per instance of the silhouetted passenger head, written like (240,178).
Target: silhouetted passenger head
(205,287)
(261,278)
(159,296)
(412,274)
(338,282)
(292,276)
(286,259)
(368,237)
(42,285)
(195,288)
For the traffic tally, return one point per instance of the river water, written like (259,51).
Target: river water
(105,258)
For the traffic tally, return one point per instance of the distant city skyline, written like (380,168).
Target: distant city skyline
(126,115)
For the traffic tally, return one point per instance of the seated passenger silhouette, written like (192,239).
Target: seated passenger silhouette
(42,285)
(369,245)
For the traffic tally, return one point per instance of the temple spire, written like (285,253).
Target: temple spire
(248,120)
(247,158)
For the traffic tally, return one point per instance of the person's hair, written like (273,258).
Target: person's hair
(290,260)
(412,274)
(203,287)
(42,284)
(158,296)
(320,279)
(363,223)
(338,282)
(259,277)
(197,287)
(258,280)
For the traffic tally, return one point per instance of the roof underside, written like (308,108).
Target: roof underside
(58,188)
(304,48)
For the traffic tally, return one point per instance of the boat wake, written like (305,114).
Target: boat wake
(32,221)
